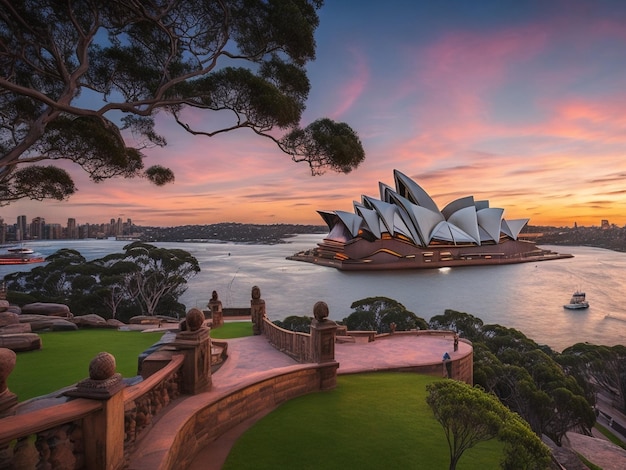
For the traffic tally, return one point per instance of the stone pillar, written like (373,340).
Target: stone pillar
(8,400)
(323,332)
(103,431)
(195,342)
(215,305)
(257,311)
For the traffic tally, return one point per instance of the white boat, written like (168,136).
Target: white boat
(21,250)
(20,255)
(577,302)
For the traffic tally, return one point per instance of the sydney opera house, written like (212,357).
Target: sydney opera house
(405,229)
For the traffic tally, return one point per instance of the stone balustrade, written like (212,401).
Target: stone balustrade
(294,344)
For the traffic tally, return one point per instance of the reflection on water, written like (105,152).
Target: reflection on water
(527,296)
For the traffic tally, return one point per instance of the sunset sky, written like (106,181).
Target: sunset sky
(519,102)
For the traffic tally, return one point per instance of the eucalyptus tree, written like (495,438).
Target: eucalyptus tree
(143,279)
(465,324)
(469,416)
(51,282)
(604,367)
(83,81)
(158,275)
(377,314)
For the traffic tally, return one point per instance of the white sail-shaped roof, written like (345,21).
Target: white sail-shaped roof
(351,221)
(490,220)
(370,217)
(512,228)
(402,225)
(467,220)
(412,222)
(481,205)
(329,217)
(423,219)
(385,212)
(446,231)
(384,190)
(409,211)
(458,204)
(409,189)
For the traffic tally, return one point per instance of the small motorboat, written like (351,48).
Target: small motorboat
(577,302)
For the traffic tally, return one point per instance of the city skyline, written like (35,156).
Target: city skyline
(519,103)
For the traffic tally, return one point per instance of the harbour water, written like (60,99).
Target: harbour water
(528,296)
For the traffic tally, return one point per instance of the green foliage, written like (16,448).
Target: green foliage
(524,376)
(142,280)
(368,421)
(243,60)
(20,298)
(301,324)
(464,324)
(468,416)
(377,314)
(602,366)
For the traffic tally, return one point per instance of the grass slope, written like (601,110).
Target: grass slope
(370,421)
(65,356)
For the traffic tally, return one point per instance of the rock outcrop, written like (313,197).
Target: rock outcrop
(90,321)
(44,322)
(48,309)
(20,341)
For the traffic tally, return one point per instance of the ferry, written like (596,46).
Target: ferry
(20,255)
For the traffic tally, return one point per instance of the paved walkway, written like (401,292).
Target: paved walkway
(253,356)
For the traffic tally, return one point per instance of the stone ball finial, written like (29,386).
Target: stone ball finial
(195,319)
(320,311)
(102,366)
(8,359)
(256,292)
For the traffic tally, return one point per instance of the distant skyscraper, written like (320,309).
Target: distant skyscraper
(605,224)
(37,228)
(3,231)
(72,231)
(21,233)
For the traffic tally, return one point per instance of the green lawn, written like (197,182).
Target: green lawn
(65,356)
(370,421)
(234,329)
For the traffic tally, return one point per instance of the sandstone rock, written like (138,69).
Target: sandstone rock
(49,309)
(14,309)
(115,323)
(4,305)
(8,318)
(20,342)
(90,320)
(43,322)
(16,328)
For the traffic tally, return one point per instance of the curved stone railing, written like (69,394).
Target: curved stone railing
(143,401)
(50,437)
(294,344)
(64,435)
